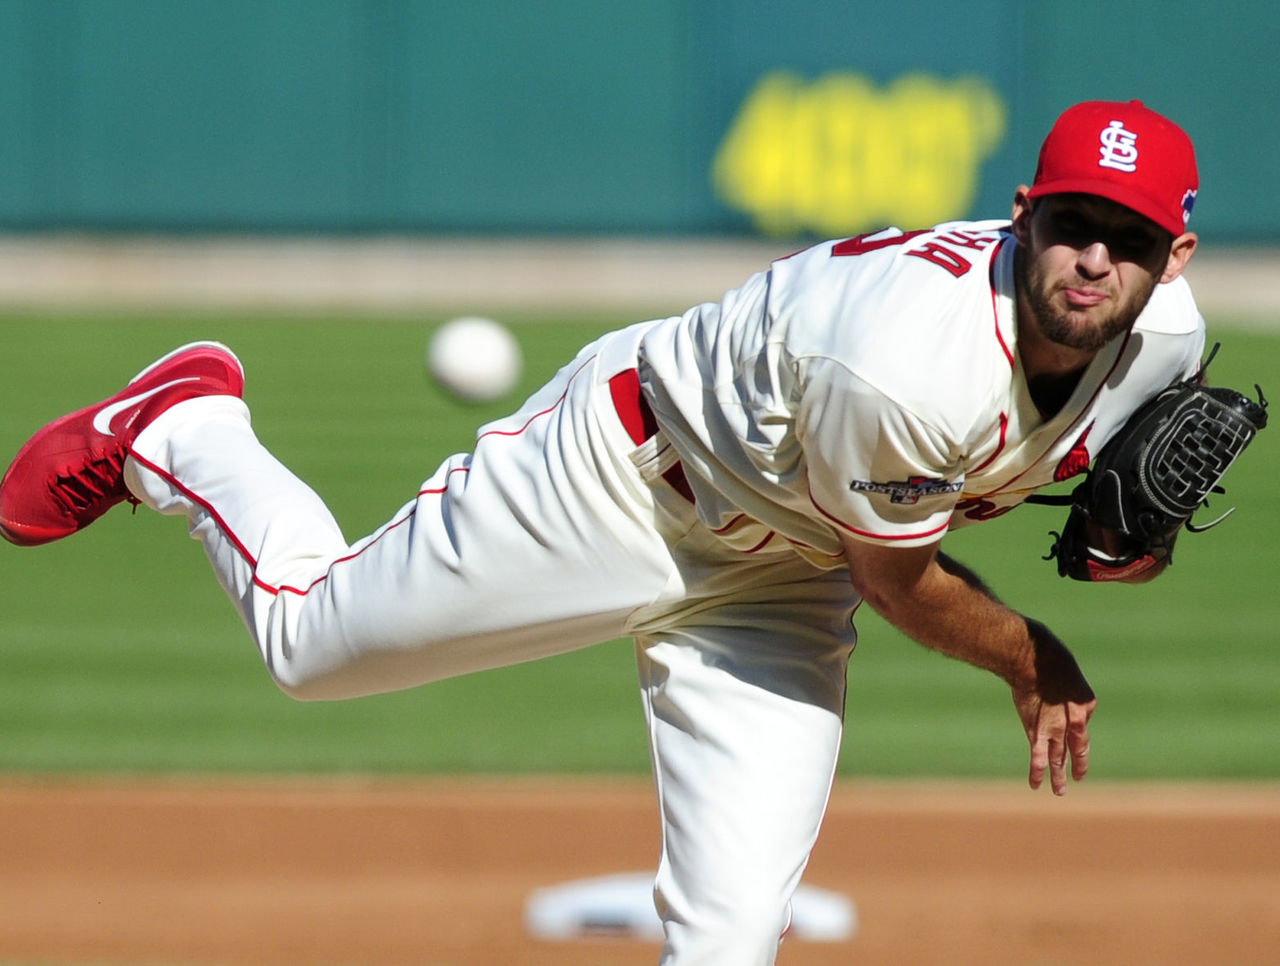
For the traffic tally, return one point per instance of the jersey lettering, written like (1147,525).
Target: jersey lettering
(968,239)
(933,252)
(976,508)
(868,243)
(940,252)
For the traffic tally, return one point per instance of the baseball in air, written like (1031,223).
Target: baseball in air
(476,359)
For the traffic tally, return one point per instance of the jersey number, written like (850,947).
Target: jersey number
(941,251)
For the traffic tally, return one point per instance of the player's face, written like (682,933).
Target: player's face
(1086,266)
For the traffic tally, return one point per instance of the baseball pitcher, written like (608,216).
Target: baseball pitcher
(727,487)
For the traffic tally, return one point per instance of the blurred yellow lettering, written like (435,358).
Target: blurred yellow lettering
(838,156)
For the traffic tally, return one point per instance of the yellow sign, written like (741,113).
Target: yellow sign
(839,156)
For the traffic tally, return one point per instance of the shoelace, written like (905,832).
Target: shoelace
(94,487)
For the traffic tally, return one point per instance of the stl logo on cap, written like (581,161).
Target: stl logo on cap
(1119,148)
(1093,148)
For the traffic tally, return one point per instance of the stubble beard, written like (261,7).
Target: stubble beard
(1057,324)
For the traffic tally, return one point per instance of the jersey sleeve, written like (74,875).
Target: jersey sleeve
(876,470)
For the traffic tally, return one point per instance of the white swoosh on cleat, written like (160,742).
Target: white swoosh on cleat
(102,418)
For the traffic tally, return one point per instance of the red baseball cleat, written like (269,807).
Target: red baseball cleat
(72,471)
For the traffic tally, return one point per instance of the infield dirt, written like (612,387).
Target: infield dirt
(436,872)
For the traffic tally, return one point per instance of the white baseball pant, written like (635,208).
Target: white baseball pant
(558,532)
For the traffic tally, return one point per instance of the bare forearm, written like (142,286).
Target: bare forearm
(948,608)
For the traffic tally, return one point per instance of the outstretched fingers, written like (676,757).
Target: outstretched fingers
(1078,716)
(1039,752)
(1060,734)
(1055,709)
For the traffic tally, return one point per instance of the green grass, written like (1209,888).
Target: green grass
(119,653)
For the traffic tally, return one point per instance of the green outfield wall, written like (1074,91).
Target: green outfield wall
(781,117)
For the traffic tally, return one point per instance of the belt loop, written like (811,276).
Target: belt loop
(640,423)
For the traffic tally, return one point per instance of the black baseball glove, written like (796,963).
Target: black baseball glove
(1149,479)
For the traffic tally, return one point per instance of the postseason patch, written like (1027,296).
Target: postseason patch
(908,491)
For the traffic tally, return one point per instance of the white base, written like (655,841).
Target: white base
(622,905)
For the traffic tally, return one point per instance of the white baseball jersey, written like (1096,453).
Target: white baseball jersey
(873,386)
(870,386)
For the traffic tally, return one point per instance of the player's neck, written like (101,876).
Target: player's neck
(1050,393)
(1051,370)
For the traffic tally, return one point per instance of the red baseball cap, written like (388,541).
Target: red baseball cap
(1124,152)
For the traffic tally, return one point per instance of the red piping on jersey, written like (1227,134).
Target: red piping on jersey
(729,525)
(1101,382)
(239,544)
(995,311)
(770,535)
(877,536)
(285,588)
(742,516)
(217,517)
(538,415)
(1004,431)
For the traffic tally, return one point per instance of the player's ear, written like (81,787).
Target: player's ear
(1022,214)
(1180,253)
